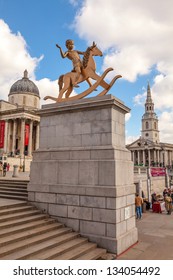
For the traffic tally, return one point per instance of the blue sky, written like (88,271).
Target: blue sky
(136,40)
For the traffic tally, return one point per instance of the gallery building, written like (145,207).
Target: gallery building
(19,120)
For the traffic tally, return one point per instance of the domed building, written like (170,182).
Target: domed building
(19,119)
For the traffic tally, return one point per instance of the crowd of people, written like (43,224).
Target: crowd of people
(4,167)
(166,198)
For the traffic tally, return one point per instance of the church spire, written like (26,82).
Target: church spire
(149,99)
(149,120)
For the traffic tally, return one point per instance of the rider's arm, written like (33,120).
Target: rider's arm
(61,52)
(79,52)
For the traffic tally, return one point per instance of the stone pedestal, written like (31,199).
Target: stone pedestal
(15,171)
(82,173)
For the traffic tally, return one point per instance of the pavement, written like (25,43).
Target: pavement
(21,176)
(155,238)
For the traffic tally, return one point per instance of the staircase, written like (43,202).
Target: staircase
(14,189)
(28,234)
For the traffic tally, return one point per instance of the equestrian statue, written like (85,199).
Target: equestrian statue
(82,71)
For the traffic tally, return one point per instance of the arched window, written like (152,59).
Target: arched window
(146,125)
(155,126)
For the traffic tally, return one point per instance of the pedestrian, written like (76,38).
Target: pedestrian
(1,169)
(8,166)
(138,204)
(168,204)
(4,169)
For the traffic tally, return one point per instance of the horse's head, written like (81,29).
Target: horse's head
(95,50)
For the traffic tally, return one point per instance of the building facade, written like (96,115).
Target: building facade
(148,150)
(19,119)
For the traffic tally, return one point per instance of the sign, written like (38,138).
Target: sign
(26,134)
(158,171)
(2,133)
(127,213)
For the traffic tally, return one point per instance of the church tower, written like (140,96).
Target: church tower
(150,120)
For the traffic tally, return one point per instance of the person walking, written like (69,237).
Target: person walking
(168,204)
(138,204)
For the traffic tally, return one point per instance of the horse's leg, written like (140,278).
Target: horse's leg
(69,91)
(94,76)
(67,84)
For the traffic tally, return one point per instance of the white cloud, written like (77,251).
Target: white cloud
(14,59)
(130,139)
(139,34)
(127,117)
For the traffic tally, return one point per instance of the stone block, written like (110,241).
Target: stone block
(131,223)
(45,197)
(92,201)
(89,227)
(101,127)
(82,213)
(74,155)
(102,154)
(88,172)
(60,155)
(105,191)
(105,215)
(58,210)
(68,172)
(107,173)
(67,199)
(91,139)
(48,172)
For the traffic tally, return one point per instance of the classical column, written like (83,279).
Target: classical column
(22,134)
(138,158)
(6,136)
(14,136)
(30,138)
(149,157)
(37,136)
(155,156)
(166,157)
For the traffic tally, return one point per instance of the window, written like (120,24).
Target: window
(147,125)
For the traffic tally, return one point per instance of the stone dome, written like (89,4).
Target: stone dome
(24,85)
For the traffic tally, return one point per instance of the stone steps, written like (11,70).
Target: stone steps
(14,189)
(26,233)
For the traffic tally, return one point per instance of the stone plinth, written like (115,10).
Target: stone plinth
(82,173)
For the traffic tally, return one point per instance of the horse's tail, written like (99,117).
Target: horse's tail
(60,82)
